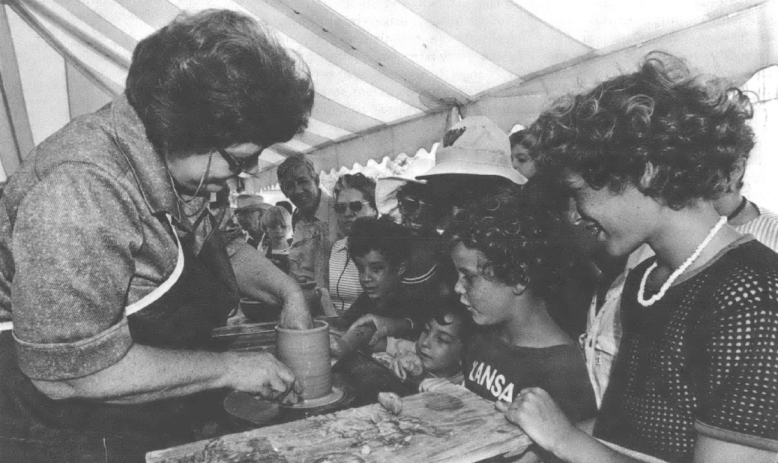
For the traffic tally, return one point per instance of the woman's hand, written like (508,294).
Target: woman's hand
(261,374)
(295,314)
(384,326)
(407,364)
(539,417)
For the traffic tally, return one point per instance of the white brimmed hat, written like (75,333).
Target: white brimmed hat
(385,189)
(475,146)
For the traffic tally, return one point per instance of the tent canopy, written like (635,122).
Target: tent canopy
(387,72)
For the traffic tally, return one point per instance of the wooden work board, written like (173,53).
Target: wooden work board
(449,425)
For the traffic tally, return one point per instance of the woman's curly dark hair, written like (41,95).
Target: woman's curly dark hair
(215,79)
(359,182)
(691,129)
(523,240)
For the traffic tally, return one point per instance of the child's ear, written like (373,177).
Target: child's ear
(402,268)
(648,175)
(519,289)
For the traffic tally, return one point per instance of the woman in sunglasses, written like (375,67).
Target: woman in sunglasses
(354,198)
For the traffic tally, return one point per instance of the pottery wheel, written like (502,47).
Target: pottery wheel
(334,396)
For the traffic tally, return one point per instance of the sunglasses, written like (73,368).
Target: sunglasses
(239,165)
(410,206)
(355,206)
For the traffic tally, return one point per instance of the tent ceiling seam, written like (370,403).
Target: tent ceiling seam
(58,47)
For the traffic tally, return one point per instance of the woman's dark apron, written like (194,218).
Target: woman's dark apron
(179,315)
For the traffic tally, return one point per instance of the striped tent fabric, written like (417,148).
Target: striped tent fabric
(387,72)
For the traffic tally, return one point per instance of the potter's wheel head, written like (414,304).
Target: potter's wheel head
(252,409)
(337,394)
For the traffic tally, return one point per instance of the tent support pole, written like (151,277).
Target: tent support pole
(13,99)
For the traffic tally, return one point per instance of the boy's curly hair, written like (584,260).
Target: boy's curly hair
(524,241)
(692,130)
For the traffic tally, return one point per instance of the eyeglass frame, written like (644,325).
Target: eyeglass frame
(350,205)
(239,165)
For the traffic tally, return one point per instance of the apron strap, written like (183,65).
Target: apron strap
(149,298)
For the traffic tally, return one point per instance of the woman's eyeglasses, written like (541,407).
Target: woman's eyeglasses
(410,206)
(355,206)
(239,165)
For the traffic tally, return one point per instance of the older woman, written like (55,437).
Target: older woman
(354,198)
(645,155)
(114,271)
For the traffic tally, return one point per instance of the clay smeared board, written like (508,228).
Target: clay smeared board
(449,425)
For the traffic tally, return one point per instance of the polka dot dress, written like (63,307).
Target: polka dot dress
(703,359)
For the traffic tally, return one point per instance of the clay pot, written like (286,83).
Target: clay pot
(307,354)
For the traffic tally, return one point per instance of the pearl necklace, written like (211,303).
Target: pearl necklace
(679,271)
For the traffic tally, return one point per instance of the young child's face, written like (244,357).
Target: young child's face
(490,302)
(440,346)
(377,276)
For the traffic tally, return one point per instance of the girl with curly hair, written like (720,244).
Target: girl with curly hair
(510,255)
(644,155)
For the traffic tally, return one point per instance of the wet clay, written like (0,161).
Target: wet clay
(307,354)
(442,402)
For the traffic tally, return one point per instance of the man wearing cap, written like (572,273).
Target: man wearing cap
(249,214)
(314,221)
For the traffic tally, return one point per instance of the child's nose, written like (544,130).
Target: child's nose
(459,288)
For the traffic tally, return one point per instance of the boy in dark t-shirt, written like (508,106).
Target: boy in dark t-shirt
(509,253)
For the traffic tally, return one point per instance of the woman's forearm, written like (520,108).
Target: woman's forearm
(144,374)
(257,276)
(147,373)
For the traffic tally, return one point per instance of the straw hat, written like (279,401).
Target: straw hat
(249,202)
(475,146)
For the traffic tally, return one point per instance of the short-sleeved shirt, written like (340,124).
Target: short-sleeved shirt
(701,360)
(84,234)
(312,241)
(603,326)
(764,228)
(498,372)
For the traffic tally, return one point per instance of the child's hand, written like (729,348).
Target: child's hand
(407,364)
(384,358)
(433,384)
(336,350)
(384,326)
(539,417)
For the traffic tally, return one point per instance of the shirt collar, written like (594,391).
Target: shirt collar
(340,245)
(325,206)
(147,165)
